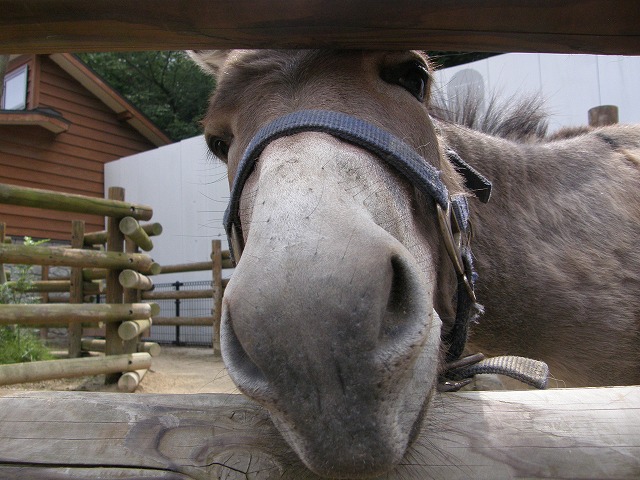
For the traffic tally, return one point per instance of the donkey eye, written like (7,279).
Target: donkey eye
(413,76)
(219,147)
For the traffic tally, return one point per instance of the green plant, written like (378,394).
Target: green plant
(20,344)
(22,277)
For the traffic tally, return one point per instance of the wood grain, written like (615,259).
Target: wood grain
(587,26)
(568,433)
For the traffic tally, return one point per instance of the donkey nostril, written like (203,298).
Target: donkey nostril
(401,307)
(244,372)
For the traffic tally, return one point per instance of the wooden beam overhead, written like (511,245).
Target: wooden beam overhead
(569,26)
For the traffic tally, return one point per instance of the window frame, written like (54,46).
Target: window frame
(14,74)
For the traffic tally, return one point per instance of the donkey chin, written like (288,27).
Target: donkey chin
(357,423)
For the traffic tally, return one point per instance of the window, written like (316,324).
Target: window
(14,93)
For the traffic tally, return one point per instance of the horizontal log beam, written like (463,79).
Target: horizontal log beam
(73,367)
(177,294)
(94,274)
(69,202)
(130,227)
(74,257)
(197,266)
(63,313)
(594,26)
(129,381)
(572,433)
(132,328)
(98,238)
(99,344)
(133,279)
(55,286)
(184,321)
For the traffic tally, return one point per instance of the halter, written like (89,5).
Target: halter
(452,210)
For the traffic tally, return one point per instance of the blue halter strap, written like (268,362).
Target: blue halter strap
(453,211)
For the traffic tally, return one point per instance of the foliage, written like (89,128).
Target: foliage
(173,92)
(20,344)
(166,86)
(22,277)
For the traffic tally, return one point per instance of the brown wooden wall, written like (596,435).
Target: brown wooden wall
(72,161)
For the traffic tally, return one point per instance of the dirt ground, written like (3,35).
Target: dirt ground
(175,370)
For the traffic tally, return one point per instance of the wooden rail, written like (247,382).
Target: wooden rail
(69,202)
(572,433)
(184,321)
(124,317)
(570,26)
(72,367)
(71,257)
(62,313)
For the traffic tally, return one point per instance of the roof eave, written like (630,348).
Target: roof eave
(116,102)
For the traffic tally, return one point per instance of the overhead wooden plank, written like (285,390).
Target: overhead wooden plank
(572,433)
(588,26)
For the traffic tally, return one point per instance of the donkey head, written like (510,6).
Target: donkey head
(329,320)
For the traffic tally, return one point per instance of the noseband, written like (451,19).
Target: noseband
(452,210)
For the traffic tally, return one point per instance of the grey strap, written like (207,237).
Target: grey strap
(528,371)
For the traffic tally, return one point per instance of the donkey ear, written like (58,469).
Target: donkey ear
(210,61)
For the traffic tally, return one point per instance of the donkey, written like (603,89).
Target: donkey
(355,282)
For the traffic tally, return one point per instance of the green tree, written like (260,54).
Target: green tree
(166,86)
(173,92)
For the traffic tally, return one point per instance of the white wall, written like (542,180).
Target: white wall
(570,84)
(188,193)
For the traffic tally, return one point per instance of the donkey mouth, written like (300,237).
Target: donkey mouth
(351,421)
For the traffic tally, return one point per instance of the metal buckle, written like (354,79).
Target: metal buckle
(452,236)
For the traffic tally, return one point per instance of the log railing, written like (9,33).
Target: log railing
(124,316)
(561,433)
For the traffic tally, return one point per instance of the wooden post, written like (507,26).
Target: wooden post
(115,243)
(216,261)
(603,115)
(76,293)
(44,332)
(129,294)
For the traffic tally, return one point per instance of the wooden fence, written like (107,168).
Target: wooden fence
(220,259)
(112,255)
(562,433)
(576,433)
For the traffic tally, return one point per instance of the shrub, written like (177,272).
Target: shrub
(20,344)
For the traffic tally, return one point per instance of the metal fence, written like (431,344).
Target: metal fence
(189,307)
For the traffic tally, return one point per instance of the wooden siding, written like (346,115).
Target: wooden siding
(71,161)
